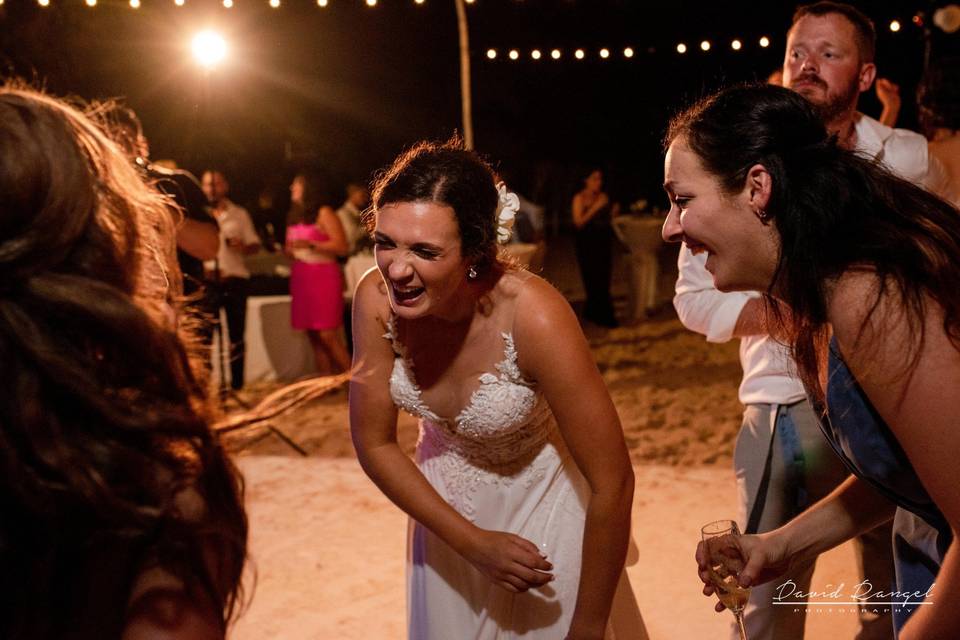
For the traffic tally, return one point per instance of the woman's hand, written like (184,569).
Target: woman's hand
(511,562)
(766,556)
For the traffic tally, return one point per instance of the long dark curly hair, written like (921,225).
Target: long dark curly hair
(108,467)
(835,211)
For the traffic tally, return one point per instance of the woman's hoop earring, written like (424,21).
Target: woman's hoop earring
(472,272)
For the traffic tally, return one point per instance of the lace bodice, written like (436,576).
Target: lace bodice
(505,421)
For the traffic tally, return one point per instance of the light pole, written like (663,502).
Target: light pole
(466,105)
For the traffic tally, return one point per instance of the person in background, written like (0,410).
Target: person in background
(349,215)
(122,515)
(592,214)
(938,99)
(229,276)
(315,240)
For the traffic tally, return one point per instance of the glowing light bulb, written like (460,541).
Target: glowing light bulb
(681,48)
(705,45)
(764,42)
(628,52)
(514,54)
(894,25)
(535,54)
(736,45)
(492,54)
(604,53)
(555,54)
(578,54)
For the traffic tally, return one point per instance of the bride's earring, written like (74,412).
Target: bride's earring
(472,272)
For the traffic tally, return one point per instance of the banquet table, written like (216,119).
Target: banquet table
(640,234)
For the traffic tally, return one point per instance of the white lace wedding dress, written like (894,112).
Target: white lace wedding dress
(503,465)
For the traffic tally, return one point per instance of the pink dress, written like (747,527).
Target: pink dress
(316,287)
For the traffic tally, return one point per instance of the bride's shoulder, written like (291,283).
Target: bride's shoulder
(370,298)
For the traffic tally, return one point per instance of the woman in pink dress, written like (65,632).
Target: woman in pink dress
(315,239)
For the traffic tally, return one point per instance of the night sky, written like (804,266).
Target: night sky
(348,86)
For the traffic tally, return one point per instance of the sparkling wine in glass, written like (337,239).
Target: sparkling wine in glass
(724,564)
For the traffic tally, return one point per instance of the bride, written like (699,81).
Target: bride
(521,490)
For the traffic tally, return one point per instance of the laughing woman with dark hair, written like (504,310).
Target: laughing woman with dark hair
(866,264)
(122,516)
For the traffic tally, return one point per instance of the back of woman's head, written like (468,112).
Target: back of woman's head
(103,428)
(447,174)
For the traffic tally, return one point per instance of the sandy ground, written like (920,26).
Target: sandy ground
(327,549)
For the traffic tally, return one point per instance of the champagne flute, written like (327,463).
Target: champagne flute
(724,564)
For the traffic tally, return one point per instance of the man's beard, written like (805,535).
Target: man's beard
(835,105)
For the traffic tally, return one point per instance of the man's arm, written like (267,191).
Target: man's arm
(717,315)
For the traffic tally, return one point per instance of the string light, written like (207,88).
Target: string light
(227,4)
(604,53)
(578,54)
(179,3)
(492,54)
(736,45)
(371,3)
(469,1)
(894,25)
(628,53)
(275,4)
(555,54)
(535,54)
(419,1)
(43,3)
(514,54)
(705,45)
(91,3)
(764,42)
(134,4)
(681,48)
(321,3)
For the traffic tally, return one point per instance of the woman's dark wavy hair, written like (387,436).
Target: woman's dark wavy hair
(834,210)
(447,174)
(108,467)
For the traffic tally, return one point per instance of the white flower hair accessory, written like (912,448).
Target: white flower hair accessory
(506,212)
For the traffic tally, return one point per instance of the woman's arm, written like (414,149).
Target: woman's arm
(336,244)
(920,404)
(508,560)
(554,353)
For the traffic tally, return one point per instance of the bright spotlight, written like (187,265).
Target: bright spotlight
(321,3)
(604,53)
(492,54)
(705,45)
(555,54)
(179,3)
(535,54)
(134,4)
(514,54)
(894,25)
(736,45)
(371,3)
(469,1)
(628,52)
(681,48)
(578,54)
(275,4)
(419,1)
(764,42)
(227,4)
(91,3)
(43,3)
(209,48)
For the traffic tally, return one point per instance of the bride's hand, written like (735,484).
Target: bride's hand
(511,562)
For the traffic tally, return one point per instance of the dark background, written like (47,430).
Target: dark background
(348,86)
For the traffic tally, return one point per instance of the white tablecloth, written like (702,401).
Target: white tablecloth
(641,236)
(275,351)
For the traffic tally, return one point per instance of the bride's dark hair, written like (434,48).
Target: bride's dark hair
(108,468)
